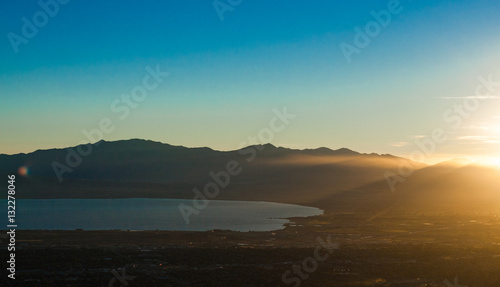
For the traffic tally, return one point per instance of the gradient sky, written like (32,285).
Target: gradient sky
(226,77)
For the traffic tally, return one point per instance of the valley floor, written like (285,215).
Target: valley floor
(383,250)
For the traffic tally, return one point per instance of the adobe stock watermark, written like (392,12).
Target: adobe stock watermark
(121,107)
(455,115)
(454,284)
(121,278)
(48,9)
(310,264)
(222,178)
(372,29)
(223,6)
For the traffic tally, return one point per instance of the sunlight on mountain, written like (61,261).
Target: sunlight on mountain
(491,162)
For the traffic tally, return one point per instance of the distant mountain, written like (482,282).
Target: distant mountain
(337,180)
(455,183)
(454,162)
(326,152)
(142,168)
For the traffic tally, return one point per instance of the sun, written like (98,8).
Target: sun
(492,161)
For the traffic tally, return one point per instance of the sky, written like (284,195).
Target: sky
(408,81)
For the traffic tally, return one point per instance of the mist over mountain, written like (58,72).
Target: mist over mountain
(342,178)
(267,171)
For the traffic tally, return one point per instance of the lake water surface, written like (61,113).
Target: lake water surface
(153,214)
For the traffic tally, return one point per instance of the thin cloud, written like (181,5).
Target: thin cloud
(475,127)
(467,140)
(419,136)
(469,97)
(400,144)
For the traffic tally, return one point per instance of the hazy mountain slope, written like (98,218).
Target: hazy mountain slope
(267,172)
(443,188)
(458,186)
(341,180)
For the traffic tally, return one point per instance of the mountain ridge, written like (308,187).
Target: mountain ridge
(330,179)
(138,140)
(266,168)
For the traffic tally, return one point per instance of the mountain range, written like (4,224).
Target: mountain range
(322,177)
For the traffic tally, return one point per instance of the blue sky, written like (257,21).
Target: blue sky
(225,77)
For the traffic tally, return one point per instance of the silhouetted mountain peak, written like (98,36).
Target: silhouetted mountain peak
(346,151)
(269,146)
(266,146)
(324,151)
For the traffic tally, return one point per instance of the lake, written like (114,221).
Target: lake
(153,214)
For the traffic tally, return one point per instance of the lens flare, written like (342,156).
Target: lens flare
(23,170)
